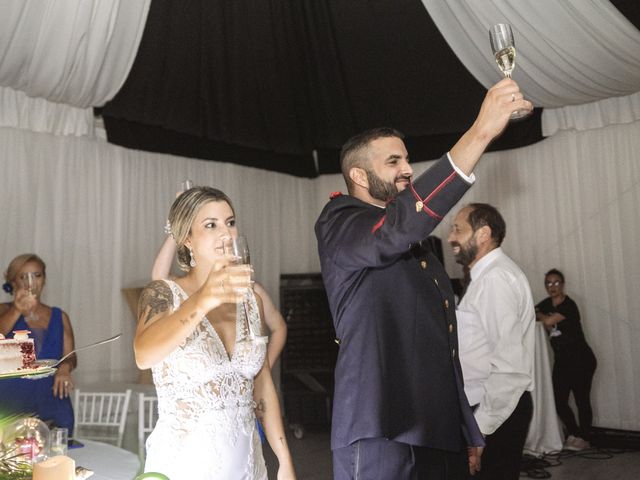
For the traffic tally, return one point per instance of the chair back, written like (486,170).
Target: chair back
(147,418)
(101,415)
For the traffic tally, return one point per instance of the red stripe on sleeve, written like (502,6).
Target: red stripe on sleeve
(431,213)
(443,184)
(379,224)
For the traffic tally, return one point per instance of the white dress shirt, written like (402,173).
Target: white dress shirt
(496,320)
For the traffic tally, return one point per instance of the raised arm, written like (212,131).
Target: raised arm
(162,264)
(501,100)
(355,235)
(277,326)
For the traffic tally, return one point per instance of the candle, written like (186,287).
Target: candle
(55,468)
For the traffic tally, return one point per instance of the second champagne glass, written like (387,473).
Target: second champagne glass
(185,185)
(504,51)
(29,282)
(239,248)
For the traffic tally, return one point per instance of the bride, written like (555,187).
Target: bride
(210,383)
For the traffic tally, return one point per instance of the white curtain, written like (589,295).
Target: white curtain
(95,213)
(573,52)
(60,58)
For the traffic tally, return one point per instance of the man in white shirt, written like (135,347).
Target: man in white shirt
(496,320)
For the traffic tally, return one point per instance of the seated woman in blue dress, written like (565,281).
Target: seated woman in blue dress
(48,398)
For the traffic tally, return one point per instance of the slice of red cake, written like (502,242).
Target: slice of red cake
(17,353)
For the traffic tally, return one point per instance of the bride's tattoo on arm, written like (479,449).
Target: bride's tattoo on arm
(155,298)
(184,321)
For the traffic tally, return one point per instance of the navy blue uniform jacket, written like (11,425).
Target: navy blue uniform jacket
(398,375)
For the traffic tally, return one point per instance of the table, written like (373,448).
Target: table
(544,430)
(107,461)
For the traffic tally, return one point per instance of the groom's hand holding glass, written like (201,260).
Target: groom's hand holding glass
(504,51)
(496,109)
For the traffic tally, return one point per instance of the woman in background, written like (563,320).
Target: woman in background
(574,363)
(210,381)
(53,337)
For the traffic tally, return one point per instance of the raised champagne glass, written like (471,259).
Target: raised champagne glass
(504,51)
(239,248)
(29,280)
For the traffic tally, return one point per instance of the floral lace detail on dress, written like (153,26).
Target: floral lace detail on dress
(200,383)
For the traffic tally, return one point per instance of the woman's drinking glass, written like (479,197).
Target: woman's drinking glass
(29,282)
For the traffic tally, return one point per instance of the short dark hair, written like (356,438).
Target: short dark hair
(482,214)
(555,271)
(352,151)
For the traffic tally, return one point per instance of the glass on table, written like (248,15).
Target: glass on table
(58,441)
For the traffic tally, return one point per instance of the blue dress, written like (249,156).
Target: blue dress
(18,395)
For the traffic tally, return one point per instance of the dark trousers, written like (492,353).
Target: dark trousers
(382,459)
(502,455)
(574,374)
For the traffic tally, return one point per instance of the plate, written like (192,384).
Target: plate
(42,369)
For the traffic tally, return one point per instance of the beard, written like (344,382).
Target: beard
(379,189)
(467,253)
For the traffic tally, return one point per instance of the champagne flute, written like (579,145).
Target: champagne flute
(504,51)
(185,185)
(239,248)
(29,282)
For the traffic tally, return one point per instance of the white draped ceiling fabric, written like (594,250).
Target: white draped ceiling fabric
(58,59)
(572,56)
(95,211)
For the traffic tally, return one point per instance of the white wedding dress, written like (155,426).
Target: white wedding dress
(206,427)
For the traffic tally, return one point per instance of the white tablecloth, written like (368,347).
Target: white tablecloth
(107,461)
(544,430)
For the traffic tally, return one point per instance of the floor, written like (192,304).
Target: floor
(313,462)
(312,457)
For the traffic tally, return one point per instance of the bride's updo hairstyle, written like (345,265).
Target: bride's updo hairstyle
(183,212)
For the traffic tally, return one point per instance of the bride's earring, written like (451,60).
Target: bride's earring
(192,262)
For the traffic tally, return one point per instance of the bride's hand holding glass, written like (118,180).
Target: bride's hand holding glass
(238,247)
(226,283)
